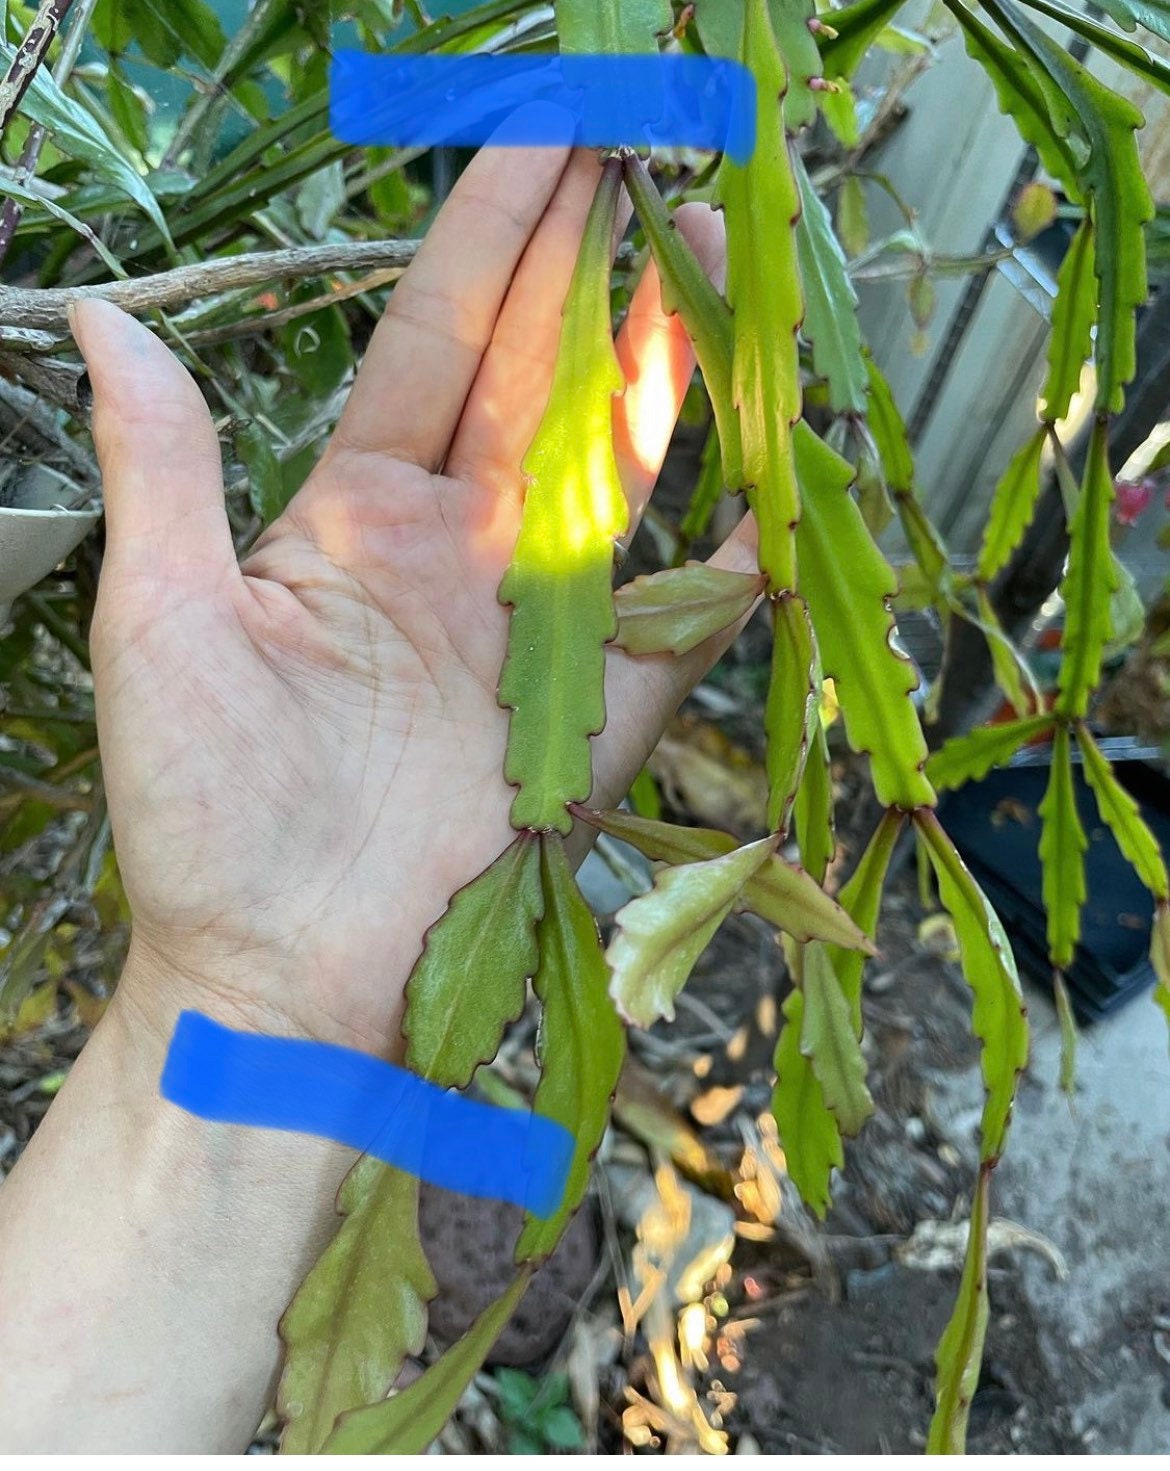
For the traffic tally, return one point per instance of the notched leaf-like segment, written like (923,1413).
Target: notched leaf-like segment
(809,1130)
(674,611)
(812,812)
(1012,507)
(1013,674)
(830,302)
(361,1310)
(857,26)
(560,581)
(608,27)
(893,445)
(409,1421)
(1073,313)
(780,892)
(720,26)
(582,1044)
(970,757)
(1160,957)
(960,1350)
(1119,812)
(792,705)
(761,202)
(469,982)
(849,584)
(831,1043)
(1062,854)
(1068,1035)
(1019,97)
(1113,182)
(1090,581)
(689,291)
(660,935)
(999,1017)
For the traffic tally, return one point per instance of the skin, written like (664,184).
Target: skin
(302,756)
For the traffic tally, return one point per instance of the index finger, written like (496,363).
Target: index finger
(426,350)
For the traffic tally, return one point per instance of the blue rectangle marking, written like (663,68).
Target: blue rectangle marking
(589,101)
(372,1106)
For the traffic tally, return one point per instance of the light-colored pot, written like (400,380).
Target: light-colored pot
(35,536)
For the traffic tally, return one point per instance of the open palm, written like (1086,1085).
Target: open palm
(303,755)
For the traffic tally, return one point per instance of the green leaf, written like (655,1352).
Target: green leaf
(127,108)
(77,133)
(761,202)
(1012,672)
(830,302)
(853,215)
(999,1016)
(812,812)
(1012,507)
(792,705)
(612,26)
(316,347)
(781,893)
(720,27)
(1121,815)
(893,446)
(1019,97)
(848,584)
(1114,184)
(560,581)
(1062,854)
(1073,314)
(861,898)
(360,1312)
(808,1130)
(408,1422)
(320,199)
(960,1351)
(266,493)
(1128,14)
(1133,57)
(561,1429)
(970,757)
(689,291)
(839,110)
(831,1043)
(489,932)
(1090,580)
(1068,1035)
(858,27)
(677,610)
(15,190)
(582,1044)
(659,936)
(199,26)
(1160,957)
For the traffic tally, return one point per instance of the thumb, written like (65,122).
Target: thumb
(159,455)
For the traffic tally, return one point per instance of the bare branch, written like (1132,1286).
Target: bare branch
(20,307)
(31,152)
(29,55)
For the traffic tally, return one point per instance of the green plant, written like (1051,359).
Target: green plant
(791,388)
(536,1413)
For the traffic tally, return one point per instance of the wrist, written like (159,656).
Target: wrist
(250,992)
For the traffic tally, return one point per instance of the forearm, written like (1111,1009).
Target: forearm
(145,1258)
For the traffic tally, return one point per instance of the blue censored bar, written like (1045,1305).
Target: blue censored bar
(335,1093)
(593,101)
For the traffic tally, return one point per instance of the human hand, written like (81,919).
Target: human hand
(303,755)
